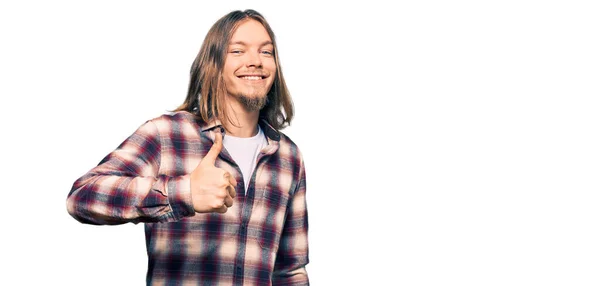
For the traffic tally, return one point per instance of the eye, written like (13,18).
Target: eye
(267,53)
(236,51)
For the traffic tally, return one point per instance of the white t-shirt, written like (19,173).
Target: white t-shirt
(244,151)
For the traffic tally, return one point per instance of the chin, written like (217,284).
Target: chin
(254,94)
(253,103)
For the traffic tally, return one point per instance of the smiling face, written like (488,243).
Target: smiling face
(250,67)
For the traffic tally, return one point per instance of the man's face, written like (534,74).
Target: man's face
(250,67)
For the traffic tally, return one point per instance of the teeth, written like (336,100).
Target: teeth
(252,77)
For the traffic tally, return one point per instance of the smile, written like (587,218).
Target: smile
(251,77)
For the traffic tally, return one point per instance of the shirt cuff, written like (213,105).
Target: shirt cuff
(180,199)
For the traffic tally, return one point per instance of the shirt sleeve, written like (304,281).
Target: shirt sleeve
(126,186)
(292,255)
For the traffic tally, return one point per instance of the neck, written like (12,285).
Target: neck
(244,123)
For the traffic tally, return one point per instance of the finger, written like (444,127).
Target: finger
(232,181)
(228,201)
(231,185)
(222,209)
(214,151)
(231,190)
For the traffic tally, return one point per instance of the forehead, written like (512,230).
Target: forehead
(250,32)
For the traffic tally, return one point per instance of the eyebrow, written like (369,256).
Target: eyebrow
(245,44)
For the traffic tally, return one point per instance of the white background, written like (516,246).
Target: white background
(446,142)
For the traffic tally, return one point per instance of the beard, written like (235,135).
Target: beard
(253,103)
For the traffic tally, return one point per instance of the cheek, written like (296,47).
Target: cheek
(230,66)
(270,65)
(228,74)
(272,68)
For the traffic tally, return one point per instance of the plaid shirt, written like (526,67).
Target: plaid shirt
(261,240)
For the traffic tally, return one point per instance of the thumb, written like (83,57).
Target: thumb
(214,151)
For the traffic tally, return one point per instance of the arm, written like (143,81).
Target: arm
(126,187)
(292,255)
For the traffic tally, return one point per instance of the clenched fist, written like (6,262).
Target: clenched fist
(213,189)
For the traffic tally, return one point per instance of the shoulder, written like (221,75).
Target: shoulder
(286,141)
(169,126)
(288,146)
(174,117)
(174,121)
(292,154)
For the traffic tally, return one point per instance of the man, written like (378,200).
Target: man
(221,191)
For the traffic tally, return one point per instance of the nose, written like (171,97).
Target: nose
(253,60)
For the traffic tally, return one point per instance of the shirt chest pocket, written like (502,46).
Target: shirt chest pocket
(268,215)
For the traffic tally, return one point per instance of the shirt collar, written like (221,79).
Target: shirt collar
(271,132)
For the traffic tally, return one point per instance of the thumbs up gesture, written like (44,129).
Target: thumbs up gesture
(213,189)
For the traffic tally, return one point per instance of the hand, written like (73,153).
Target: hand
(213,189)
